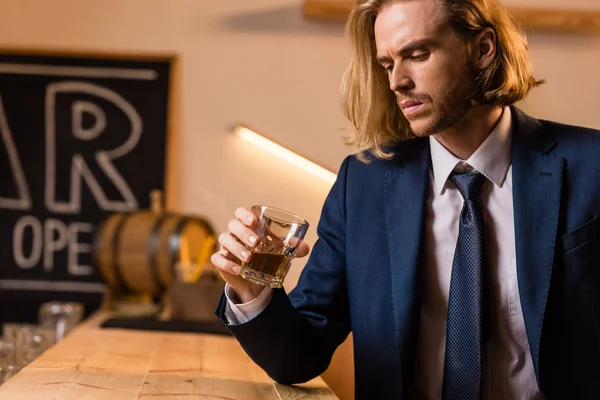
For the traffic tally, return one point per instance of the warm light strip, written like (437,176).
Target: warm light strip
(285,154)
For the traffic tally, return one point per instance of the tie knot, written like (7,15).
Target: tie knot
(469,184)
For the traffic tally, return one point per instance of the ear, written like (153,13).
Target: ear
(484,48)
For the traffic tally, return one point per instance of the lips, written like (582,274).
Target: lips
(409,104)
(410,107)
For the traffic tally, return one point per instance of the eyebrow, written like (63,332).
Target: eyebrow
(409,48)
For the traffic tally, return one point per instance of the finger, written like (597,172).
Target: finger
(225,253)
(303,249)
(234,247)
(246,216)
(242,232)
(225,265)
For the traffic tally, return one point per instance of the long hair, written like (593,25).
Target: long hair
(371,106)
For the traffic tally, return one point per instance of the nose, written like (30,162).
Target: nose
(399,80)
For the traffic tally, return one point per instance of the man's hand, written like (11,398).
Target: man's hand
(232,253)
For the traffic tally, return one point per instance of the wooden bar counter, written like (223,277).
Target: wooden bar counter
(118,364)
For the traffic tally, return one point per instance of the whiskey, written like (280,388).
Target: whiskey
(267,268)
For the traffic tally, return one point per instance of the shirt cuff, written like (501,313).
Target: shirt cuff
(244,312)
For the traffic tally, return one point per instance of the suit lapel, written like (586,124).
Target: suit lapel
(405,202)
(537,182)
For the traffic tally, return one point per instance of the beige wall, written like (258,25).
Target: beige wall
(254,62)
(259,63)
(570,65)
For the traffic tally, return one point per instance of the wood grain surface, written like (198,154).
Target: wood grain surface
(117,364)
(531,19)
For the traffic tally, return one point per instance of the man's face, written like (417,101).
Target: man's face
(427,66)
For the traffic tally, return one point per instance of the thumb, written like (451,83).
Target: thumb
(303,249)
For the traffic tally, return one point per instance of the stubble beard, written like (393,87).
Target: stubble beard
(453,105)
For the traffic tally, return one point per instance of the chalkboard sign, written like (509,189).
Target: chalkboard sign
(80,138)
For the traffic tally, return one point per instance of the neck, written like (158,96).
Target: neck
(466,136)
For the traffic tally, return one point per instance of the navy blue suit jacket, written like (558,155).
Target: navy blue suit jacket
(365,272)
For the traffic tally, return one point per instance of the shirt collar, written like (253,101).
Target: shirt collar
(492,158)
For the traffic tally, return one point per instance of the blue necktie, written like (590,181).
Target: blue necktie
(466,303)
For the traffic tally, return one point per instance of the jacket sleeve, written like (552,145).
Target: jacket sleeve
(295,336)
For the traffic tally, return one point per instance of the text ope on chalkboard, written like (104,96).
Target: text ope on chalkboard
(37,239)
(53,235)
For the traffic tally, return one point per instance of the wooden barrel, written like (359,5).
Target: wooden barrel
(142,252)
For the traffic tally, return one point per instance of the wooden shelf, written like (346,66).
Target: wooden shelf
(532,19)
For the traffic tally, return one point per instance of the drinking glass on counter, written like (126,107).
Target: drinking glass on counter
(7,371)
(61,317)
(21,344)
(8,353)
(8,360)
(32,341)
(10,331)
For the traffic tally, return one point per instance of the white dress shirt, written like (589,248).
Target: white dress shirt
(508,367)
(237,313)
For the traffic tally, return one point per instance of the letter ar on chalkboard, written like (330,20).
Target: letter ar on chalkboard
(80,138)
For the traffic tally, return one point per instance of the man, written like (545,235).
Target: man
(462,247)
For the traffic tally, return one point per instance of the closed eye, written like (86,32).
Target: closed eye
(418,57)
(387,67)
